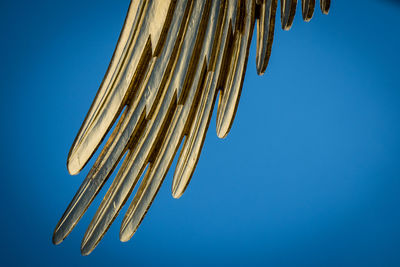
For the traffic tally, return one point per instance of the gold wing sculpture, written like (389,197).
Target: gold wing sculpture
(172,59)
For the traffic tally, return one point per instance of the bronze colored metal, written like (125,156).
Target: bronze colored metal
(288,10)
(265,33)
(325,6)
(308,9)
(171,61)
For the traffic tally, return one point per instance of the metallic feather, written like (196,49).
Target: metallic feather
(307,7)
(288,10)
(265,33)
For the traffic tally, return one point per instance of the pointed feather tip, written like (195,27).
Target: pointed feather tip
(307,16)
(222,128)
(259,65)
(87,246)
(177,195)
(286,23)
(260,71)
(126,232)
(262,65)
(286,27)
(325,11)
(57,237)
(124,236)
(177,190)
(325,6)
(85,251)
(73,165)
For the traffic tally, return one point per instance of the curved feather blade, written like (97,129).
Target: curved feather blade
(230,94)
(307,7)
(265,33)
(288,11)
(193,144)
(325,6)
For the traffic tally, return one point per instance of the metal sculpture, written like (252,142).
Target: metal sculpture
(172,59)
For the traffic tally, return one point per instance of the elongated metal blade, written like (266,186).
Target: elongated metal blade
(288,11)
(230,95)
(265,33)
(325,6)
(307,9)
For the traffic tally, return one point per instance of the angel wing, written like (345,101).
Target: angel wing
(171,61)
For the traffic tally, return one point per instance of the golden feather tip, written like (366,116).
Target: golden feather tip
(73,165)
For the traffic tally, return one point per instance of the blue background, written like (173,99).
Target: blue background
(309,174)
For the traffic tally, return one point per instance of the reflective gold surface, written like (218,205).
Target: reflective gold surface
(172,60)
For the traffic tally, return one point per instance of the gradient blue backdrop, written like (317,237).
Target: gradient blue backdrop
(309,174)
